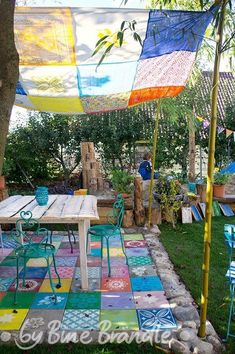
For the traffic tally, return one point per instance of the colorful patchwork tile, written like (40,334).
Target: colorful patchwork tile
(39,320)
(137,252)
(67,245)
(117,301)
(24,300)
(64,272)
(34,273)
(95,252)
(135,243)
(113,252)
(31,285)
(95,244)
(12,319)
(5,283)
(139,261)
(131,237)
(66,252)
(114,243)
(8,272)
(91,262)
(149,283)
(7,243)
(38,262)
(93,285)
(65,261)
(115,262)
(80,319)
(83,300)
(155,319)
(150,299)
(115,284)
(10,261)
(95,238)
(116,272)
(5,251)
(119,320)
(46,301)
(142,270)
(46,286)
(93,272)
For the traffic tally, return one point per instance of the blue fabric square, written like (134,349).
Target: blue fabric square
(107,79)
(45,301)
(34,272)
(19,89)
(170,31)
(148,283)
(156,319)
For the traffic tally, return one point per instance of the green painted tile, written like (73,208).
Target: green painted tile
(130,237)
(139,261)
(24,300)
(120,320)
(83,300)
(11,262)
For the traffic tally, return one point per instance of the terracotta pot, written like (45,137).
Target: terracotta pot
(201,190)
(218,190)
(2,182)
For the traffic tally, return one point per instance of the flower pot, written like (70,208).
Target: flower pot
(219,190)
(2,182)
(42,195)
(192,187)
(201,190)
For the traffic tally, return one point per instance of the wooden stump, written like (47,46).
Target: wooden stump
(3,194)
(128,219)
(91,169)
(156,216)
(139,211)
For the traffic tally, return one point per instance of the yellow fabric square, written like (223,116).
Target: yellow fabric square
(44,36)
(59,105)
(38,262)
(10,320)
(46,287)
(113,252)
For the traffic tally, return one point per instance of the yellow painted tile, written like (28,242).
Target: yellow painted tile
(10,320)
(38,262)
(65,286)
(113,252)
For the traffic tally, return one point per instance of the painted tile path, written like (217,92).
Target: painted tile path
(131,299)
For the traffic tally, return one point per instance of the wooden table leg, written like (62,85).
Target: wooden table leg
(82,230)
(87,225)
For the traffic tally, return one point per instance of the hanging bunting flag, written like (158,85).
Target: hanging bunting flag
(220,130)
(201,119)
(228,132)
(206,123)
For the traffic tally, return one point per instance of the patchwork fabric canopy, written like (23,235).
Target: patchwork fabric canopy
(59,74)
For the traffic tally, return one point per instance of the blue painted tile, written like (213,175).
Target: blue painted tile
(81,319)
(137,252)
(155,319)
(95,252)
(66,261)
(34,273)
(5,283)
(45,301)
(148,283)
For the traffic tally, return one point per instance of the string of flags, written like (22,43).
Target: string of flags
(206,123)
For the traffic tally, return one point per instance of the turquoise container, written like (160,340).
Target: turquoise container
(192,187)
(41,195)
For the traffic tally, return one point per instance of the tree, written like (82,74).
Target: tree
(9,71)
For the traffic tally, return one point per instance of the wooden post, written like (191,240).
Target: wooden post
(91,168)
(139,211)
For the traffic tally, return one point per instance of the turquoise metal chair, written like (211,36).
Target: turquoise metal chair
(113,228)
(229,233)
(34,243)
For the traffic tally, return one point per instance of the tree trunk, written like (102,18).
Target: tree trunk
(192,151)
(9,71)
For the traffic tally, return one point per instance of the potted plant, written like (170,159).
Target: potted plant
(122,182)
(220,179)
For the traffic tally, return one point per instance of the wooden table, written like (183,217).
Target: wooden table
(60,209)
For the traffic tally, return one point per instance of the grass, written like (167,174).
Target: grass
(185,249)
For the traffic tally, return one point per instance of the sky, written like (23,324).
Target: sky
(80,3)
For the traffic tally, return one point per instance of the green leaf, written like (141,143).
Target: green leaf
(104,55)
(120,36)
(99,47)
(101,39)
(122,25)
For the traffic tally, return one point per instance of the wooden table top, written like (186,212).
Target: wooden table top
(59,209)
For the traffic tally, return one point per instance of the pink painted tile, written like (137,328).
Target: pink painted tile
(150,300)
(116,272)
(66,252)
(64,272)
(135,243)
(115,261)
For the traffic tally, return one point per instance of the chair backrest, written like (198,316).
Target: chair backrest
(28,230)
(118,210)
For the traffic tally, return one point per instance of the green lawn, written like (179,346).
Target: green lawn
(185,246)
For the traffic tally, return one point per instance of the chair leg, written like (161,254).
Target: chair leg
(17,280)
(51,236)
(24,272)
(51,282)
(56,272)
(102,246)
(69,236)
(108,257)
(231,309)
(74,238)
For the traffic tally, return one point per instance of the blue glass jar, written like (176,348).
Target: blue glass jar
(42,195)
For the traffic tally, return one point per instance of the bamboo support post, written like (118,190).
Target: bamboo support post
(210,171)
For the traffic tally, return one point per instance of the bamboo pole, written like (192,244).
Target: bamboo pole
(210,172)
(155,139)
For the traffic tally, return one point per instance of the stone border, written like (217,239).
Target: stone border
(185,339)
